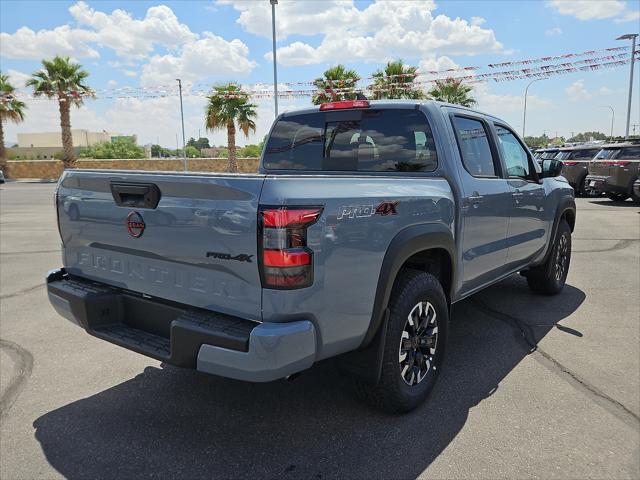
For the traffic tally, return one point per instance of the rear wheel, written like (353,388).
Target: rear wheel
(617,197)
(414,344)
(550,277)
(583,188)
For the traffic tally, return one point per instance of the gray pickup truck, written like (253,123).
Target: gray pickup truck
(366,222)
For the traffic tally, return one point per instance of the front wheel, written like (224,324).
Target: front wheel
(414,343)
(550,277)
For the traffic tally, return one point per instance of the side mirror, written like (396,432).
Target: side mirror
(551,168)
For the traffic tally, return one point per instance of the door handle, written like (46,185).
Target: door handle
(475,199)
(517,194)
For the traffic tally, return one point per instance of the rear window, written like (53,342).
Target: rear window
(549,155)
(607,154)
(630,153)
(366,140)
(563,155)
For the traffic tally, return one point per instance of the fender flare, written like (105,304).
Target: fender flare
(566,204)
(366,361)
(406,243)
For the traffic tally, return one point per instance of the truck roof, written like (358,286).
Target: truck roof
(395,104)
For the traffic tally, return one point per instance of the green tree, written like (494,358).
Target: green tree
(11,110)
(336,78)
(252,151)
(397,80)
(120,148)
(64,80)
(536,142)
(452,90)
(587,136)
(229,106)
(192,152)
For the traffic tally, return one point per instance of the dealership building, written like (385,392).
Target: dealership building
(44,145)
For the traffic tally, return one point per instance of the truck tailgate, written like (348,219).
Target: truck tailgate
(189,238)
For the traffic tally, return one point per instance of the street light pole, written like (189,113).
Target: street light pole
(524,115)
(275,68)
(184,151)
(632,37)
(613,115)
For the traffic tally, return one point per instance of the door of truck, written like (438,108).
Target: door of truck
(527,233)
(486,197)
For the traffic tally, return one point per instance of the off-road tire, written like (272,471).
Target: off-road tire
(392,393)
(546,278)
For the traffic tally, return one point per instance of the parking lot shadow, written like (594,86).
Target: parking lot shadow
(169,422)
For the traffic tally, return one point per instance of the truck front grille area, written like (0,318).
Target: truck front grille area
(166,331)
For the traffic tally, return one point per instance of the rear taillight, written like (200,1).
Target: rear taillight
(569,162)
(286,260)
(619,163)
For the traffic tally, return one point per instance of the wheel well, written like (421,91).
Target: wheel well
(435,261)
(570,217)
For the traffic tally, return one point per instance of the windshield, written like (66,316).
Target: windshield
(352,140)
(607,154)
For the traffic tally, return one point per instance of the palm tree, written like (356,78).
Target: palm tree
(397,80)
(339,78)
(64,80)
(452,90)
(227,106)
(11,109)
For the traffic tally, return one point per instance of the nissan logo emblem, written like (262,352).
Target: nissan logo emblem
(135,224)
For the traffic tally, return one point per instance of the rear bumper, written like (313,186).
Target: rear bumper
(179,335)
(601,184)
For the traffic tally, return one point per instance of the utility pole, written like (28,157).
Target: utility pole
(524,114)
(613,116)
(632,37)
(275,68)
(184,150)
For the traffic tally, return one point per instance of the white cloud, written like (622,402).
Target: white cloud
(130,73)
(577,92)
(63,40)
(593,9)
(552,32)
(18,79)
(210,56)
(630,16)
(112,84)
(129,37)
(506,104)
(380,32)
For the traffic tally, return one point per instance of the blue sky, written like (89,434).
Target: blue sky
(151,43)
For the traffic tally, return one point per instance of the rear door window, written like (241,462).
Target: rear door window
(474,147)
(370,140)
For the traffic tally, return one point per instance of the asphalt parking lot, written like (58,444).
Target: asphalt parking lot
(533,387)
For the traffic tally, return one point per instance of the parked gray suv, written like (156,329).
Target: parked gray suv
(575,164)
(366,222)
(614,170)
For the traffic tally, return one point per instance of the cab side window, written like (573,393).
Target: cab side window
(474,147)
(515,156)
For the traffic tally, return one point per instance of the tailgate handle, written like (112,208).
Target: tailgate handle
(139,195)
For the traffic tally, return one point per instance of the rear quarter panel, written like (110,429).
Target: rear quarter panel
(349,243)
